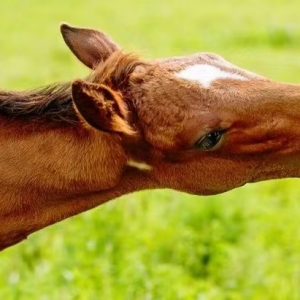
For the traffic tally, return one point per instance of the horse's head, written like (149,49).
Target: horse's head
(203,125)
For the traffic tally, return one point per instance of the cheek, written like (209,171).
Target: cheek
(206,174)
(162,132)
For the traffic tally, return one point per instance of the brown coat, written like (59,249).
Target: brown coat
(133,125)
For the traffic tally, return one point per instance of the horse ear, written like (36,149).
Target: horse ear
(88,45)
(101,107)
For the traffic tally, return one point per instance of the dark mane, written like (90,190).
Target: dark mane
(53,103)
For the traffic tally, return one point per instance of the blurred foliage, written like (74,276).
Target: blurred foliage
(244,244)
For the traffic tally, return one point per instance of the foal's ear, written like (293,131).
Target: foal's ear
(101,107)
(89,46)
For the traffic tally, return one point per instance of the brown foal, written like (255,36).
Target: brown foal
(196,124)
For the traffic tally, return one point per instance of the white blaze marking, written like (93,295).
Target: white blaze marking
(206,74)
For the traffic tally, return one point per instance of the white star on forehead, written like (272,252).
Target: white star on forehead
(206,74)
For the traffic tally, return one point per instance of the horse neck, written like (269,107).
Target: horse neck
(45,171)
(17,226)
(59,159)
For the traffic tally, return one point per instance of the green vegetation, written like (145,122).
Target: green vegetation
(244,244)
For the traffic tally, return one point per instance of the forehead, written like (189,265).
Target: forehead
(205,68)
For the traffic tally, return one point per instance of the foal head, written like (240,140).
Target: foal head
(203,125)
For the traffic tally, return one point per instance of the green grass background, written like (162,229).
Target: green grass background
(244,244)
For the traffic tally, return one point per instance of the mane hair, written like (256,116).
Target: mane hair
(54,102)
(116,70)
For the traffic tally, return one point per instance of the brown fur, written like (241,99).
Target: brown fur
(133,125)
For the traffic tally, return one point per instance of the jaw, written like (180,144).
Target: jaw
(204,174)
(211,177)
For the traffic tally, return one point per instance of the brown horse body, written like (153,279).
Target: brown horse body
(196,124)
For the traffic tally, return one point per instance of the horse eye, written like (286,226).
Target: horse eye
(209,141)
